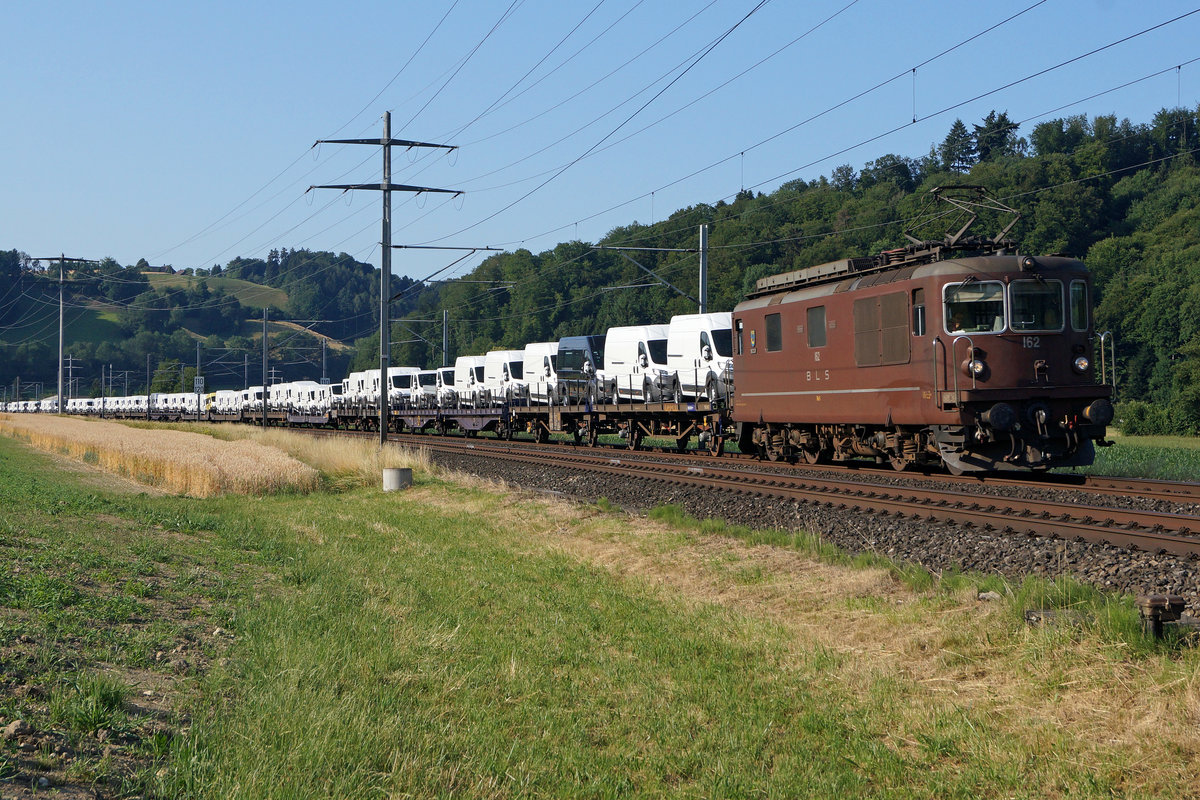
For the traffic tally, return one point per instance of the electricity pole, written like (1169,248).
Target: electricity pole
(62,260)
(264,386)
(386,188)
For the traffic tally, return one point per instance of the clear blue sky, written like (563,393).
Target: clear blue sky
(181,133)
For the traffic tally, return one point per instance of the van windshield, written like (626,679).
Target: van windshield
(570,360)
(658,351)
(722,339)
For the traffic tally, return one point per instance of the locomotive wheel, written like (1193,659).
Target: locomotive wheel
(775,447)
(898,463)
(815,456)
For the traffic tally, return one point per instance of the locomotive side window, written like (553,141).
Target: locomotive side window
(1079,306)
(816,326)
(774,333)
(918,312)
(1036,305)
(737,326)
(974,307)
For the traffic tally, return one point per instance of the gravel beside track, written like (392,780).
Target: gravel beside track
(936,546)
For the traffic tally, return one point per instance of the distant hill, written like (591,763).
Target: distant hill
(251,295)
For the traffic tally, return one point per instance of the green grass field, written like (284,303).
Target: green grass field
(38,319)
(457,640)
(1171,458)
(251,295)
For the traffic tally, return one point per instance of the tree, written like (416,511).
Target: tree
(997,137)
(958,149)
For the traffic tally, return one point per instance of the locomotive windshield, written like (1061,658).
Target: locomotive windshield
(1037,305)
(974,307)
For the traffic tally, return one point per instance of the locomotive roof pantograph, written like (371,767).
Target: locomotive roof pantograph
(961,205)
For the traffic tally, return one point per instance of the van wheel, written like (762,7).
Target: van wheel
(649,393)
(677,391)
(710,389)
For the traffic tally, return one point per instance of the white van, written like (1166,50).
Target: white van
(541,370)
(700,355)
(504,376)
(468,378)
(402,385)
(426,390)
(635,362)
(252,398)
(226,401)
(356,389)
(446,396)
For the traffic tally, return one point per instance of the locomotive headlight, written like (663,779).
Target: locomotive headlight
(976,367)
(1081,364)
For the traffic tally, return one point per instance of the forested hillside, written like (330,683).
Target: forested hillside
(1120,195)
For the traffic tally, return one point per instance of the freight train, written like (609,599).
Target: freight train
(958,351)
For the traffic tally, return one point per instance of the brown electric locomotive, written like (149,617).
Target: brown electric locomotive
(959,351)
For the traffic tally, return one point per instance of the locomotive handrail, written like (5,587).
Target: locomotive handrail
(1104,365)
(937,394)
(937,342)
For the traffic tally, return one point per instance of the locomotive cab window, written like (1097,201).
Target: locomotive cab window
(918,312)
(1079,306)
(1036,305)
(974,307)
(816,326)
(774,333)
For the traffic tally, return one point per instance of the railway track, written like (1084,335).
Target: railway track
(1151,531)
(1183,493)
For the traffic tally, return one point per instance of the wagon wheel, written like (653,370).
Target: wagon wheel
(716,445)
(539,433)
(593,436)
(635,436)
(648,392)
